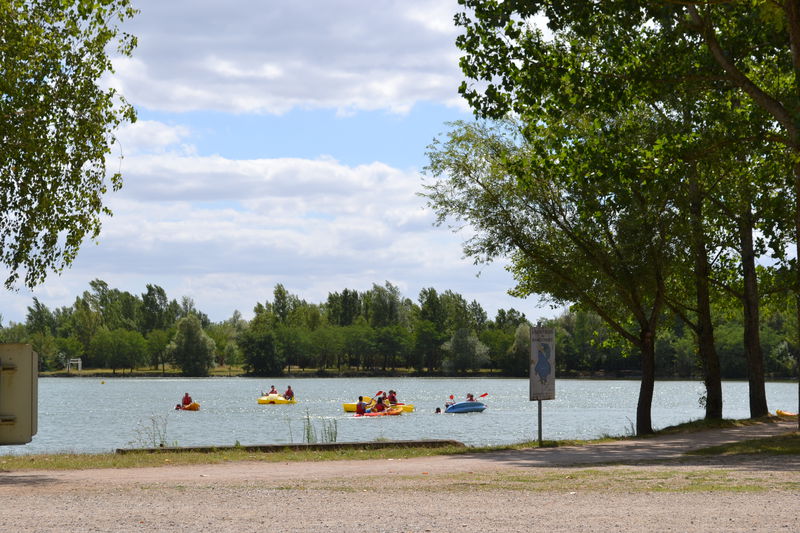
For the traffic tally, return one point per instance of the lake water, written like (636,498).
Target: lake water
(92,415)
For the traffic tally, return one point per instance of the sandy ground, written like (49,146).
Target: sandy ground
(636,485)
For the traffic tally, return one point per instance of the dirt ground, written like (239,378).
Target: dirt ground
(636,485)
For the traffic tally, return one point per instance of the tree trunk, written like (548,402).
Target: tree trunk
(644,421)
(705,327)
(752,335)
(797,274)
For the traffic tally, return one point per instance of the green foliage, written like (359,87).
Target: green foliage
(499,342)
(294,345)
(191,349)
(516,360)
(155,309)
(327,346)
(585,345)
(359,344)
(118,349)
(45,345)
(329,431)
(157,342)
(427,350)
(258,345)
(57,124)
(464,352)
(69,348)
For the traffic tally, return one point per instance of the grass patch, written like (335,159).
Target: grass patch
(778,445)
(138,460)
(589,480)
(702,425)
(772,446)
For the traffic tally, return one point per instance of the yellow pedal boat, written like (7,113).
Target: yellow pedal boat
(274,399)
(351,407)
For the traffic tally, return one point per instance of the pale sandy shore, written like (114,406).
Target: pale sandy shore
(636,485)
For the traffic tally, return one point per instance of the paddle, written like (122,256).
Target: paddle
(374,399)
(483,395)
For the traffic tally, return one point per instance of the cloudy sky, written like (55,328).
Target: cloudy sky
(283,144)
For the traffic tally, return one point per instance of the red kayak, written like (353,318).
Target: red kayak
(392,411)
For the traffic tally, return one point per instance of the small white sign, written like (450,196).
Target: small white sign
(543,363)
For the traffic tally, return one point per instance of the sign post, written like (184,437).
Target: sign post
(543,368)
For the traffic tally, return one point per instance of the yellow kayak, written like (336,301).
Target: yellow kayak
(351,407)
(194,406)
(274,399)
(785,413)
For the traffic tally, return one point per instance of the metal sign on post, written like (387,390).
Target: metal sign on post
(543,368)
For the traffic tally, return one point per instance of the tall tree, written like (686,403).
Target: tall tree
(259,347)
(40,319)
(57,123)
(157,342)
(606,56)
(565,214)
(465,352)
(191,349)
(154,309)
(382,305)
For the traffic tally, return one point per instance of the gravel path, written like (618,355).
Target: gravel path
(649,487)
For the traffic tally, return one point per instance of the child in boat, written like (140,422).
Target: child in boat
(272,390)
(392,397)
(186,399)
(361,406)
(289,394)
(379,406)
(470,397)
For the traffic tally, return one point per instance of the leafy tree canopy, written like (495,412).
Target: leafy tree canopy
(56,128)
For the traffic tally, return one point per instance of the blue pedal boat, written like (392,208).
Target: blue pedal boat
(465,407)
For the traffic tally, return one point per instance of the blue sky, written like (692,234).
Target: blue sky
(399,140)
(283,144)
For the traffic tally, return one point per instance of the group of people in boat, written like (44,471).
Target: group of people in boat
(379,403)
(470,398)
(289,394)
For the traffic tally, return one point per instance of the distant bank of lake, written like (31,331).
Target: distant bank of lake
(93,415)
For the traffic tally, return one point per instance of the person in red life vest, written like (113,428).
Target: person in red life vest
(289,394)
(186,399)
(361,406)
(392,397)
(379,406)
(272,390)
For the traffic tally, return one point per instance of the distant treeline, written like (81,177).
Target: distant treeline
(374,331)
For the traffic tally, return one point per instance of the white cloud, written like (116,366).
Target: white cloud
(151,137)
(237,57)
(224,232)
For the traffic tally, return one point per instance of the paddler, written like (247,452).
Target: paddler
(392,397)
(361,406)
(289,394)
(379,405)
(186,399)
